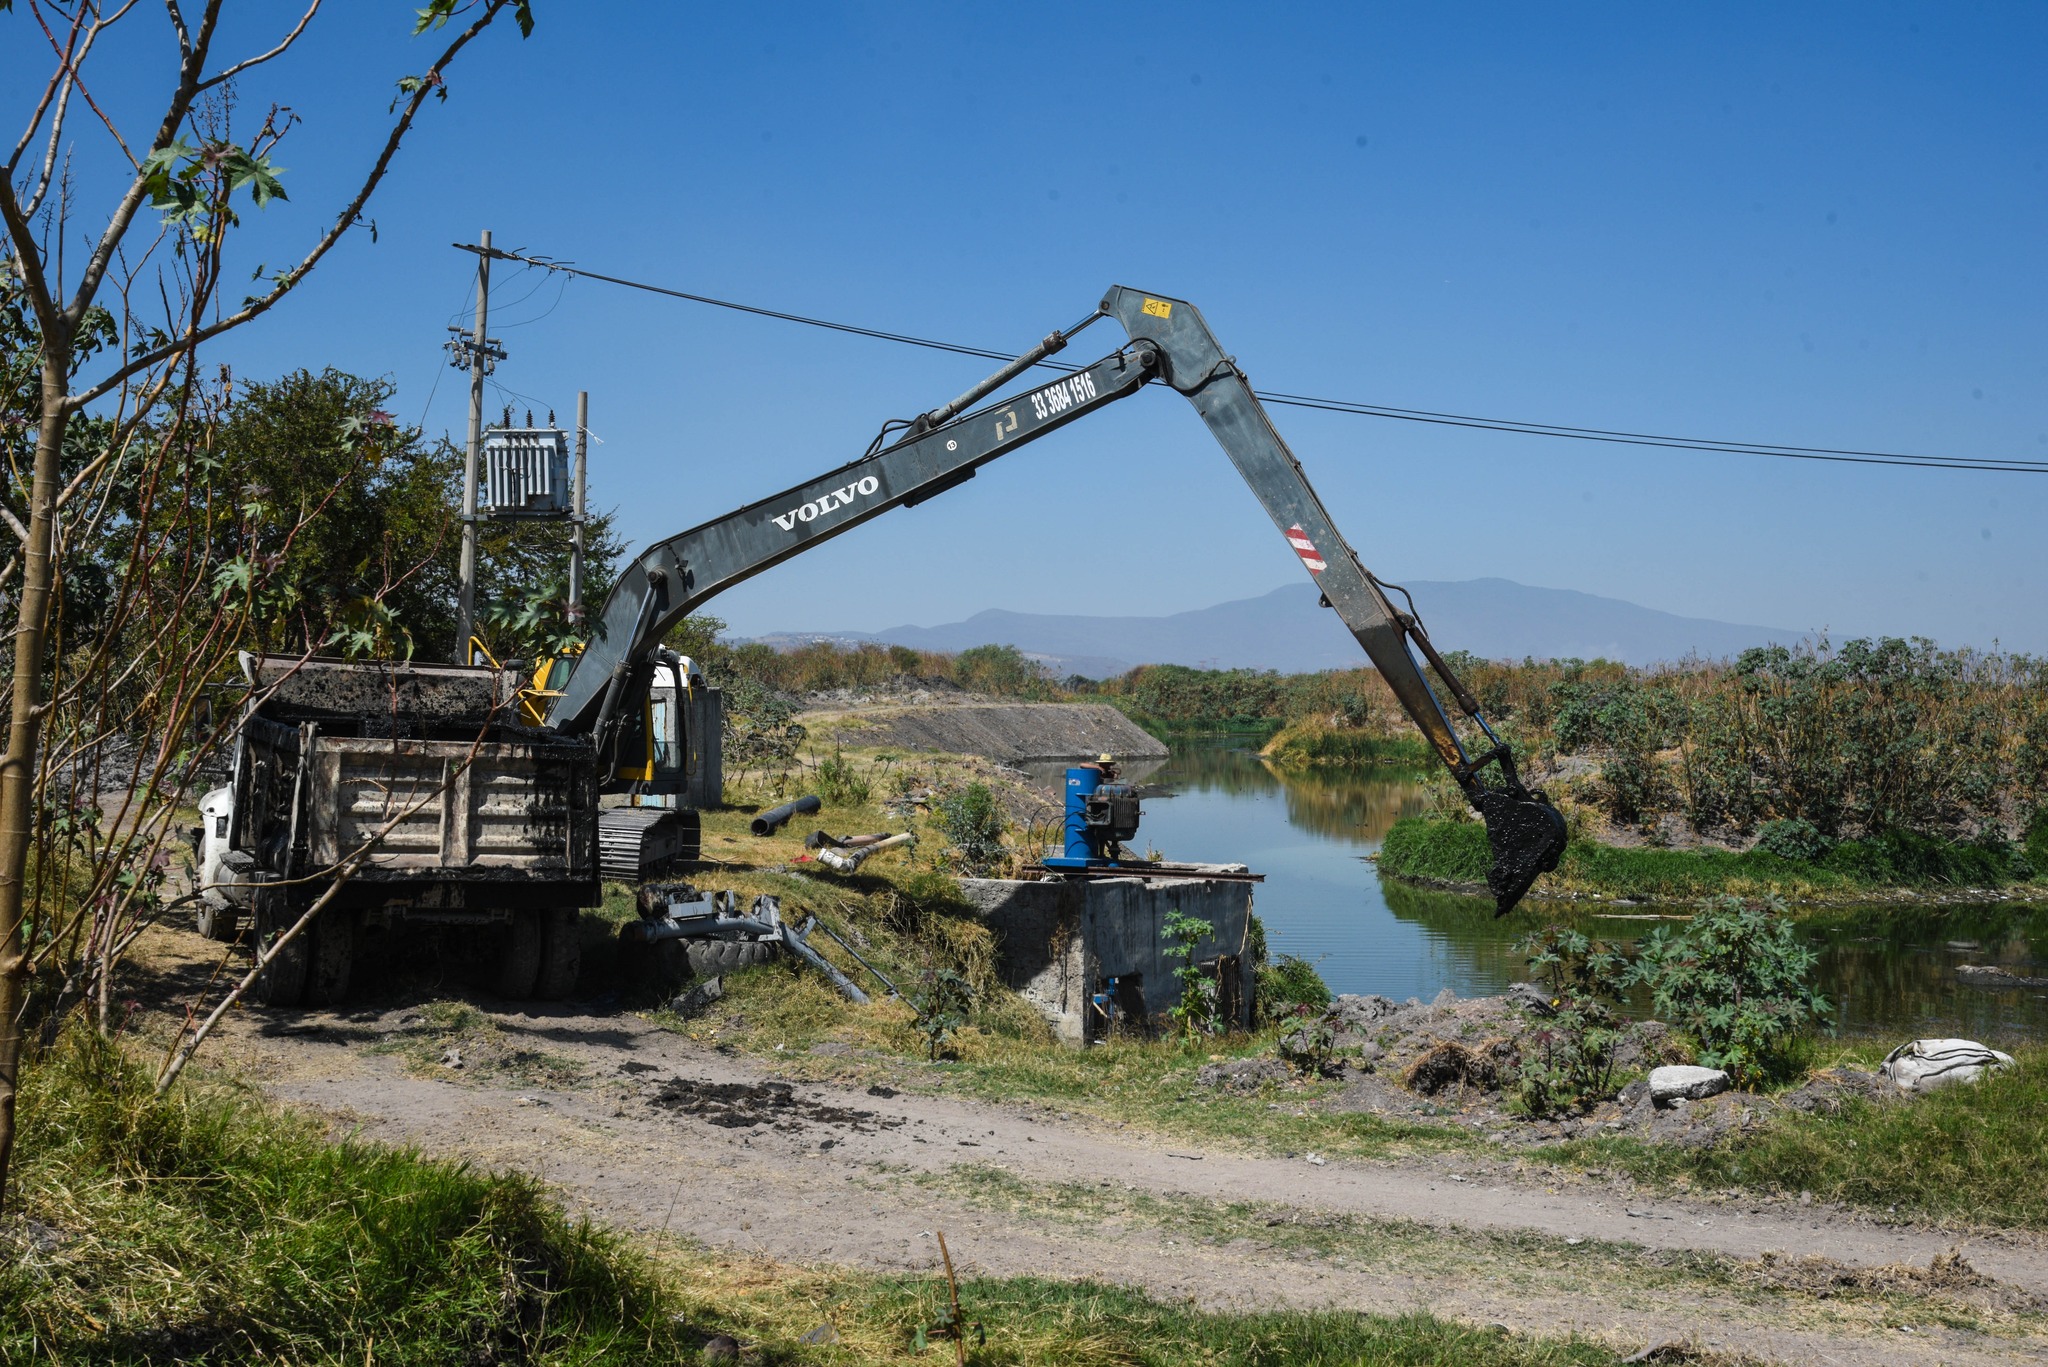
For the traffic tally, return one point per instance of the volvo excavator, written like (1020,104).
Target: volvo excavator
(474,790)
(1169,344)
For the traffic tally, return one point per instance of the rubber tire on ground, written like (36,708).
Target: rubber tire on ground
(331,956)
(217,922)
(561,953)
(283,981)
(518,956)
(716,958)
(662,964)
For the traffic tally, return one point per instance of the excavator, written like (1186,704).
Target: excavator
(600,693)
(469,796)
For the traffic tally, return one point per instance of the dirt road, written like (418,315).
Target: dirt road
(651,1132)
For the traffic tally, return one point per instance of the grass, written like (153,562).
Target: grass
(1456,852)
(1310,744)
(207,1227)
(1534,1265)
(1967,1154)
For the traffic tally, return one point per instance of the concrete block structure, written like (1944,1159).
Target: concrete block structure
(1063,941)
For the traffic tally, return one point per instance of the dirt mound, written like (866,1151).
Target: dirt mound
(1244,1075)
(1013,732)
(1949,1275)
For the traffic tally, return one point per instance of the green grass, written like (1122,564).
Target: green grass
(1313,745)
(207,1227)
(1430,851)
(1970,1154)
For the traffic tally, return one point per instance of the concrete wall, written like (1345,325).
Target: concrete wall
(1062,940)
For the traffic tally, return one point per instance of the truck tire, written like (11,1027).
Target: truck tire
(217,920)
(561,954)
(330,957)
(518,956)
(716,958)
(283,980)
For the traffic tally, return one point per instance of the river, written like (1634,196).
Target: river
(1890,971)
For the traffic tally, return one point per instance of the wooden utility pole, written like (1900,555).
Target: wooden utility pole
(576,512)
(479,360)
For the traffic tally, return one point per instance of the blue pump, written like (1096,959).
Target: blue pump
(1100,813)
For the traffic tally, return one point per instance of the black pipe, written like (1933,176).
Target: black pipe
(766,822)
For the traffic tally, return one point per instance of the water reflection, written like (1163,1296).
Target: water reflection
(1891,971)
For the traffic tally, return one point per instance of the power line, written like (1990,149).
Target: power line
(1354,408)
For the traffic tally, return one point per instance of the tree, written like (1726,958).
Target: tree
(194,171)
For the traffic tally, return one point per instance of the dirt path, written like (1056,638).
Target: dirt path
(651,1132)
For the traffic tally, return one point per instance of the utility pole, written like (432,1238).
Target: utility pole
(482,353)
(576,513)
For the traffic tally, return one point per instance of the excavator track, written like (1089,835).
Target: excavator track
(638,843)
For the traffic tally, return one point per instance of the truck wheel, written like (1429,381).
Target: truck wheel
(561,954)
(283,980)
(217,922)
(519,956)
(716,958)
(330,957)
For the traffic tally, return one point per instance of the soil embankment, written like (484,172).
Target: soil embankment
(1013,732)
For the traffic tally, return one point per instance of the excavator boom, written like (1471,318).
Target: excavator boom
(1170,343)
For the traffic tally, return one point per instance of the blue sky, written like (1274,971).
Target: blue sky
(1818,224)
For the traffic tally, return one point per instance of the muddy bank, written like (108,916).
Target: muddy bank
(1012,732)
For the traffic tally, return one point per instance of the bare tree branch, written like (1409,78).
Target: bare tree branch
(343,222)
(239,67)
(69,65)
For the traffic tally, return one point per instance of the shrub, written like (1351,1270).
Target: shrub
(1793,839)
(942,1001)
(1287,983)
(1568,1061)
(1738,979)
(840,784)
(1195,1012)
(972,820)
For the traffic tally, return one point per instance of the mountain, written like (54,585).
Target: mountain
(1286,630)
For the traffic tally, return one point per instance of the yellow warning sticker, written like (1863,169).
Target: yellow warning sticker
(1159,308)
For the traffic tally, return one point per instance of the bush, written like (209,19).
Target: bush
(1568,1061)
(840,784)
(1289,983)
(1738,979)
(972,820)
(1195,1012)
(1793,839)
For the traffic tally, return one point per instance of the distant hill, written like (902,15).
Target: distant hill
(1286,630)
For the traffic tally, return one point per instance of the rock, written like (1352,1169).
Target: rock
(1992,976)
(1244,1075)
(1684,1082)
(1530,998)
(1924,1064)
(721,1348)
(694,1001)
(1445,998)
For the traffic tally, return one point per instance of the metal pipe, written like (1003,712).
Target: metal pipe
(853,953)
(701,928)
(794,939)
(768,821)
(846,861)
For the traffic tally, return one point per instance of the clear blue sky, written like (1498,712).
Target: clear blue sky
(1818,224)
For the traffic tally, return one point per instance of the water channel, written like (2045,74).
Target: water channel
(1890,971)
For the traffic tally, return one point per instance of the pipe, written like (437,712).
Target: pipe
(794,939)
(846,861)
(701,928)
(766,822)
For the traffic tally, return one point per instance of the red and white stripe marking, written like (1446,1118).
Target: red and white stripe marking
(1306,549)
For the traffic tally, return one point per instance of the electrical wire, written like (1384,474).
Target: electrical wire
(1356,408)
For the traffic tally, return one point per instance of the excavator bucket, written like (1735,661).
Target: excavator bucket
(1527,835)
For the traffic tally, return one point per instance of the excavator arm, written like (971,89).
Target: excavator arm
(1169,342)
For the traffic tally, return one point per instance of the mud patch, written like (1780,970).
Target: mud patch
(743,1105)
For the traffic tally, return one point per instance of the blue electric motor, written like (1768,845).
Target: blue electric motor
(1101,813)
